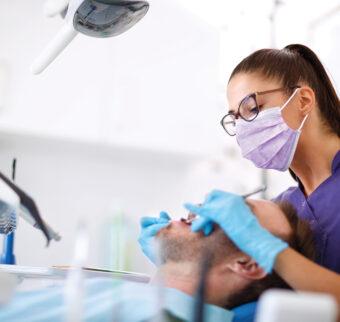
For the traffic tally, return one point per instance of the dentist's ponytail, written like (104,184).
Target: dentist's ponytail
(325,93)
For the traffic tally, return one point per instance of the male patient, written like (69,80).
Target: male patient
(233,279)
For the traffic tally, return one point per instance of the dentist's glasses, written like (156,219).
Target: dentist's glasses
(248,110)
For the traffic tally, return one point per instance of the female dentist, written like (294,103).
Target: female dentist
(285,114)
(302,133)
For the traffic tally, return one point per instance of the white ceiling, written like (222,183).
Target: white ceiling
(223,13)
(245,26)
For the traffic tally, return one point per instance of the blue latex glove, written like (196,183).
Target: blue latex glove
(208,226)
(235,218)
(150,226)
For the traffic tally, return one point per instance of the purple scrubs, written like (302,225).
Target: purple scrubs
(322,210)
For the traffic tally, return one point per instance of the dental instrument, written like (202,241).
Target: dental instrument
(95,18)
(9,203)
(14,202)
(58,273)
(22,203)
(52,233)
(8,222)
(258,190)
(191,217)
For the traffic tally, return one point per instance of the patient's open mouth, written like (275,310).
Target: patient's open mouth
(191,217)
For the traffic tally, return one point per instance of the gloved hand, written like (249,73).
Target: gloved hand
(235,218)
(150,226)
(207,226)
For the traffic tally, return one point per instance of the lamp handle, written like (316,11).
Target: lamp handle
(54,48)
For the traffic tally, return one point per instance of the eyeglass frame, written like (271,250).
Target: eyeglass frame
(253,95)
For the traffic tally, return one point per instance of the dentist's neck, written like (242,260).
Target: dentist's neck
(314,156)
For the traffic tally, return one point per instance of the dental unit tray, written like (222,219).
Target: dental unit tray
(60,272)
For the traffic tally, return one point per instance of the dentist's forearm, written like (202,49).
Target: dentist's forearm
(302,274)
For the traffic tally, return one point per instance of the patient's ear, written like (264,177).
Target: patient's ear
(246,267)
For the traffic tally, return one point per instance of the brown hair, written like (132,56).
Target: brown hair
(301,240)
(292,65)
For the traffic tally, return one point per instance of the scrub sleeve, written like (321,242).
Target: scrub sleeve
(322,210)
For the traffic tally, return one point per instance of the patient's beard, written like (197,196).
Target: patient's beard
(182,257)
(180,248)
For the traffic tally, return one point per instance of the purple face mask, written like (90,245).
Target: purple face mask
(268,141)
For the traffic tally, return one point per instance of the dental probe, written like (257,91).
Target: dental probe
(261,189)
(192,217)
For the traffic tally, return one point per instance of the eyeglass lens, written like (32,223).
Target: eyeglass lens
(248,109)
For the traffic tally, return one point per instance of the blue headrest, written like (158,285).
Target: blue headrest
(245,312)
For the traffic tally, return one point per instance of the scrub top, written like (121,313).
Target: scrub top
(322,210)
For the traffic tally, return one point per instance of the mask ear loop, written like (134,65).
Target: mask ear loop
(285,104)
(289,99)
(303,122)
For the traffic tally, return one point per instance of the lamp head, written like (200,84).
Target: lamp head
(106,18)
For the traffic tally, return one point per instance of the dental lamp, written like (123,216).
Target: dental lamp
(94,18)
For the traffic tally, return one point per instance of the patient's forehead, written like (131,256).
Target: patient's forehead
(271,217)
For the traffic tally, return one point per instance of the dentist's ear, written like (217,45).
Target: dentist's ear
(306,99)
(246,267)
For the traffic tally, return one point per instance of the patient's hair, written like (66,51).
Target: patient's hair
(301,240)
